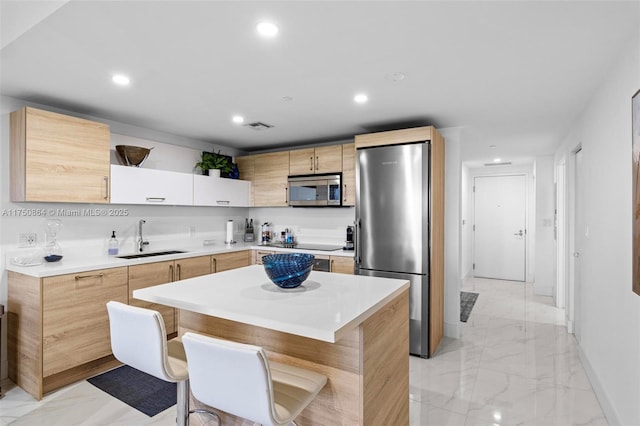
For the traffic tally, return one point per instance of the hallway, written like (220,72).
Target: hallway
(514,365)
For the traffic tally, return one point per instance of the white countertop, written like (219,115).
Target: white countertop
(325,307)
(76,262)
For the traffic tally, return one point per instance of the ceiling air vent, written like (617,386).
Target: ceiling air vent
(504,163)
(257,125)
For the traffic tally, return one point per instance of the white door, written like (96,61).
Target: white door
(500,227)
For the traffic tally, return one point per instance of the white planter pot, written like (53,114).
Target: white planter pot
(214,172)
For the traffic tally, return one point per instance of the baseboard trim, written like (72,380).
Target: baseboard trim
(539,290)
(452,330)
(607,408)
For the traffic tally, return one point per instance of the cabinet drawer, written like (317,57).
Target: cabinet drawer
(74,317)
(227,261)
(341,264)
(257,255)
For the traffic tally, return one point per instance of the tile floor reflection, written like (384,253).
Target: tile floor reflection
(514,365)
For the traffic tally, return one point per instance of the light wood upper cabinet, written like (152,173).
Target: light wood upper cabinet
(349,174)
(246,167)
(58,158)
(321,159)
(271,173)
(302,161)
(226,261)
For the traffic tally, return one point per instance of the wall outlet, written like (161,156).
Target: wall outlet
(29,239)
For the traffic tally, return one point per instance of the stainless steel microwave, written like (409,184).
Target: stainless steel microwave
(315,190)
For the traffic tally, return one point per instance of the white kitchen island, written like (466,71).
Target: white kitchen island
(354,329)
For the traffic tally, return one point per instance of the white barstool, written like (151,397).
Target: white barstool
(238,379)
(139,339)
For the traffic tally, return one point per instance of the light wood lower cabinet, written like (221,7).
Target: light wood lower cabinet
(226,261)
(150,274)
(58,327)
(256,256)
(341,264)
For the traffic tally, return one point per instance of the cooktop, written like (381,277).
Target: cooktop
(308,246)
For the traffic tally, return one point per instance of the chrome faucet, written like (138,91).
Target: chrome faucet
(141,241)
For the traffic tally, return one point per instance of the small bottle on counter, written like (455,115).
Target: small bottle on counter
(113,244)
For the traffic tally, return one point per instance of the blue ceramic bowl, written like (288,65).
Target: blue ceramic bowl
(288,270)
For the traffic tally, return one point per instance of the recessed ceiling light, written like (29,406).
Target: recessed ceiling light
(237,119)
(361,98)
(121,79)
(267,29)
(497,160)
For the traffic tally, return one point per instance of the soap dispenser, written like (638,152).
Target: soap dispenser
(113,244)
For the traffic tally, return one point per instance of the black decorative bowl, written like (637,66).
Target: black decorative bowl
(53,258)
(288,270)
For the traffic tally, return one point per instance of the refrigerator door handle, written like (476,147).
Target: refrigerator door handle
(356,254)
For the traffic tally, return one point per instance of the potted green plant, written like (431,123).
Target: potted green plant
(214,161)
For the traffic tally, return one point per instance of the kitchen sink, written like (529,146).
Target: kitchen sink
(150,254)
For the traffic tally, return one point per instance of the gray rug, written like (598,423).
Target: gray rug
(139,390)
(467,300)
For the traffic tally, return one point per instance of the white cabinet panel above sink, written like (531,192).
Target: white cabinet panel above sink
(134,185)
(212,191)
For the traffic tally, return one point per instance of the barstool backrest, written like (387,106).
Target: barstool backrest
(230,376)
(139,339)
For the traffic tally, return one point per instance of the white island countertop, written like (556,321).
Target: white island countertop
(325,307)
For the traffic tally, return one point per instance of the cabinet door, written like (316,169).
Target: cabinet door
(227,261)
(211,191)
(133,185)
(247,173)
(192,267)
(75,322)
(348,174)
(150,274)
(55,157)
(302,161)
(341,264)
(270,184)
(328,159)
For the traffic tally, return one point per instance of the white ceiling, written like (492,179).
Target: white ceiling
(513,73)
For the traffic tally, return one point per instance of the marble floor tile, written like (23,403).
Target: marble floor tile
(515,364)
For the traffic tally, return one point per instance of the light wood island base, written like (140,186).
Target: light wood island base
(368,369)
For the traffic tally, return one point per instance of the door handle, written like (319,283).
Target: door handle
(519,233)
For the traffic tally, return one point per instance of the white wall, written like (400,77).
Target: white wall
(610,347)
(544,268)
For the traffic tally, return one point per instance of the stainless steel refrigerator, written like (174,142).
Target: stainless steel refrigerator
(392,225)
